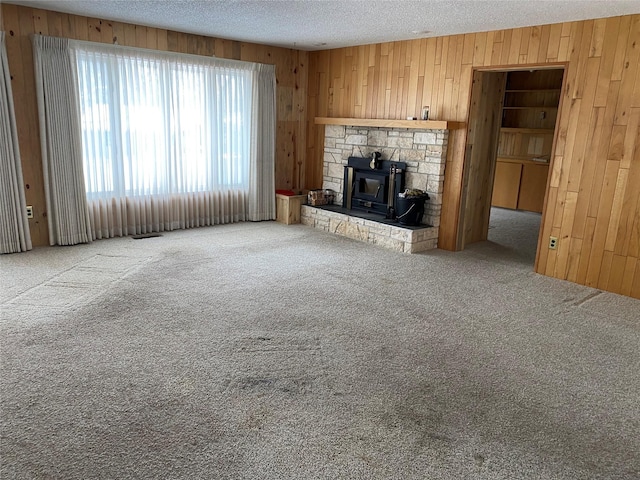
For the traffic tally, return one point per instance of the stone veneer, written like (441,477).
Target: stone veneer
(424,152)
(393,237)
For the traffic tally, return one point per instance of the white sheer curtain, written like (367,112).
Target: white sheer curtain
(14,226)
(60,140)
(173,141)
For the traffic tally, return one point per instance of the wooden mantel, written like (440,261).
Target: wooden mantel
(390,123)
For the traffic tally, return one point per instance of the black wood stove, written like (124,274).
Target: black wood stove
(372,185)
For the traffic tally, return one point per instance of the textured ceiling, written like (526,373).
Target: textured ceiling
(325,24)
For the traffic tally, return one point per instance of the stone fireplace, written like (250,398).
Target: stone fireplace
(422,151)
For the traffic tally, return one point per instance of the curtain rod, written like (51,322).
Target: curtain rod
(88,43)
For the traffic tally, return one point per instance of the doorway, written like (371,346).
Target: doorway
(510,140)
(515,232)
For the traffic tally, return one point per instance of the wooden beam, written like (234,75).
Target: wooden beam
(380,122)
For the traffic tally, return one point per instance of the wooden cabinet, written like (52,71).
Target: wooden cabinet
(506,184)
(532,187)
(529,112)
(519,184)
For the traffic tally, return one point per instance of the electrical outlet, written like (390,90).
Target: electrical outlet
(553,243)
(29,211)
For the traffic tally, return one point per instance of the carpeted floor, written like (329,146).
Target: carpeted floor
(515,233)
(264,351)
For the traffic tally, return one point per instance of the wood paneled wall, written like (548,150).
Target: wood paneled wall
(485,108)
(592,203)
(21,22)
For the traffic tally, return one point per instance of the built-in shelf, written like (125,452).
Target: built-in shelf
(525,143)
(527,130)
(521,160)
(531,107)
(534,90)
(390,123)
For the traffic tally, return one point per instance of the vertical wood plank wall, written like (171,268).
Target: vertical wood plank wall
(593,195)
(485,107)
(20,22)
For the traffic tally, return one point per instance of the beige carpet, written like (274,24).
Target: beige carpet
(264,351)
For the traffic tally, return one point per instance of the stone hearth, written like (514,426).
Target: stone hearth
(424,152)
(392,236)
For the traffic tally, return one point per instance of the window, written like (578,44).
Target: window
(154,125)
